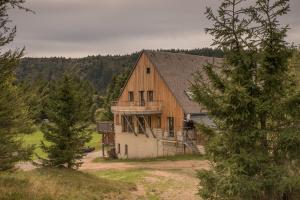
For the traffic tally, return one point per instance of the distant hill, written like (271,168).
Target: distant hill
(98,70)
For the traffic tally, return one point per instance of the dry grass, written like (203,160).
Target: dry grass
(61,184)
(180,184)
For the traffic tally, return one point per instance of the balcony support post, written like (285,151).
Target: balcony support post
(141,125)
(147,124)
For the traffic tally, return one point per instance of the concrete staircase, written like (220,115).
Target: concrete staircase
(192,146)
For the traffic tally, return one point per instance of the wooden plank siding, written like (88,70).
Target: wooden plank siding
(140,80)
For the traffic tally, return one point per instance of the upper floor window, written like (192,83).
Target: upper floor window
(130,96)
(150,95)
(148,70)
(142,98)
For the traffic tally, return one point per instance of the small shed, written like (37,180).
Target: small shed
(108,136)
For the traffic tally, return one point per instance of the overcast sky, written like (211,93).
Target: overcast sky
(77,28)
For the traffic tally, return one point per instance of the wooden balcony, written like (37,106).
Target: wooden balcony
(137,107)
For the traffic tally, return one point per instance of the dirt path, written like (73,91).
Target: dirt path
(88,164)
(159,165)
(164,180)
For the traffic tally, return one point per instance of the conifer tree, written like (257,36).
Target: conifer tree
(13,112)
(68,112)
(255,104)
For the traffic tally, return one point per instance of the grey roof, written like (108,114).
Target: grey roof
(177,71)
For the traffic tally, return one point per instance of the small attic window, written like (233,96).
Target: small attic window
(190,94)
(148,70)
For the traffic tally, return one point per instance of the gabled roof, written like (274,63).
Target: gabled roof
(177,70)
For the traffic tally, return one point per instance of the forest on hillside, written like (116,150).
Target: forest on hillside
(98,70)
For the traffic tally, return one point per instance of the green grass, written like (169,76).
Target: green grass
(131,176)
(164,158)
(61,184)
(36,138)
(95,141)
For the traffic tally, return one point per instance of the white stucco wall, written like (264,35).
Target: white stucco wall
(139,146)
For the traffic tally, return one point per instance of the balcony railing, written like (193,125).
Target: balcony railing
(137,107)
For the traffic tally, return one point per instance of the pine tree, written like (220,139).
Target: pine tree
(255,104)
(13,116)
(68,111)
(13,112)
(35,95)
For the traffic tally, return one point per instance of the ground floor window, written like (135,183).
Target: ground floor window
(124,124)
(158,121)
(119,148)
(149,121)
(171,126)
(130,124)
(126,149)
(127,124)
(117,119)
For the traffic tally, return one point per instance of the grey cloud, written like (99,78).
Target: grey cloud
(78,28)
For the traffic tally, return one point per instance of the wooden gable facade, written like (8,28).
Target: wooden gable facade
(146,87)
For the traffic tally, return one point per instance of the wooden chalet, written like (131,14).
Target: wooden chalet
(155,115)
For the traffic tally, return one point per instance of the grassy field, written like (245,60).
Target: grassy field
(61,184)
(36,138)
